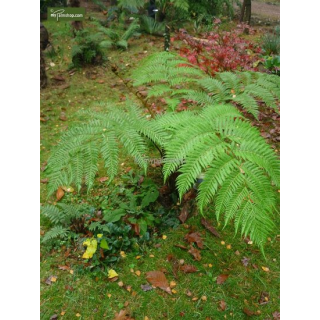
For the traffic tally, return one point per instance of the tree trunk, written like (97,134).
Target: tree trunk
(43,76)
(245,15)
(76,25)
(44,40)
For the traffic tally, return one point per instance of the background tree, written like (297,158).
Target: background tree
(44,40)
(76,25)
(245,15)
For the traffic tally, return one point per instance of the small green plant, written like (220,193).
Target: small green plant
(88,49)
(119,40)
(271,42)
(151,26)
(272,63)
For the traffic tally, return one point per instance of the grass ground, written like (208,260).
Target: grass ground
(89,295)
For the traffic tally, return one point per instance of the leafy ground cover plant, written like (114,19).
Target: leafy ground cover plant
(119,39)
(220,51)
(124,218)
(88,49)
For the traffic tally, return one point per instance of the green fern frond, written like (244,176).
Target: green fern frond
(55,232)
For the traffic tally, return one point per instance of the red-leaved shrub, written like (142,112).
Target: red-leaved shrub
(220,50)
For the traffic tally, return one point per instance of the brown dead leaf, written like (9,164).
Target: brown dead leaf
(63,116)
(184,212)
(65,268)
(222,305)
(60,194)
(58,78)
(103,179)
(188,268)
(195,253)
(222,278)
(181,246)
(158,279)
(122,315)
(248,312)
(100,81)
(44,180)
(210,227)
(189,293)
(195,237)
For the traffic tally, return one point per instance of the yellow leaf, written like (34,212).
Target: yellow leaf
(164,237)
(109,295)
(138,273)
(78,315)
(204,298)
(172,284)
(62,313)
(223,243)
(210,265)
(266,269)
(112,274)
(71,271)
(174,291)
(229,246)
(138,257)
(91,245)
(53,279)
(151,256)
(100,235)
(120,284)
(123,254)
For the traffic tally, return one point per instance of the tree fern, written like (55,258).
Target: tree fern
(170,75)
(241,171)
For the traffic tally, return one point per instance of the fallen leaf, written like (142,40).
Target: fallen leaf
(100,81)
(223,243)
(194,299)
(248,312)
(120,284)
(222,305)
(138,273)
(204,298)
(265,269)
(64,267)
(63,116)
(174,291)
(189,293)
(112,274)
(58,78)
(195,253)
(123,254)
(103,179)
(78,315)
(109,295)
(184,213)
(276,315)
(245,261)
(181,246)
(172,284)
(91,245)
(222,278)
(188,268)
(146,287)
(264,298)
(164,237)
(195,237)
(228,246)
(237,253)
(210,227)
(60,194)
(44,180)
(159,280)
(62,313)
(71,271)
(151,256)
(54,317)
